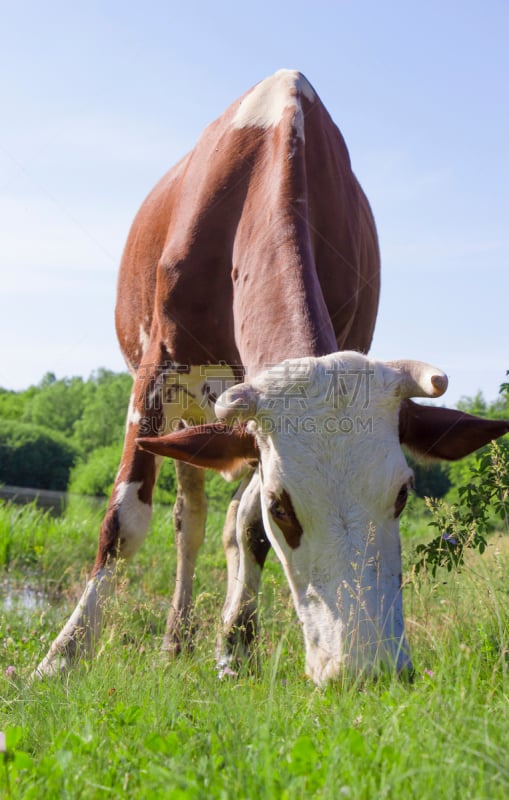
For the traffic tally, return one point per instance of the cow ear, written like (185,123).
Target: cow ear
(212,446)
(431,432)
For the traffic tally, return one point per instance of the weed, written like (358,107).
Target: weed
(466,527)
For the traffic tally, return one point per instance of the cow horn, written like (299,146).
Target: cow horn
(237,404)
(418,379)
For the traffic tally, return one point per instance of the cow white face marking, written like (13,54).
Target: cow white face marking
(265,105)
(334,481)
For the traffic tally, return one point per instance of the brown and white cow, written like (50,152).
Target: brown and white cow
(248,267)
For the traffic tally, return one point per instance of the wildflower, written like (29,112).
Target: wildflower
(226,672)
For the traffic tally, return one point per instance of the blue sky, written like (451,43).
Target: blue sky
(99,99)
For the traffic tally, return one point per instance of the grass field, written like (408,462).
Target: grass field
(132,724)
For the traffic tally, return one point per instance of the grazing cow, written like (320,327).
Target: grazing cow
(249,266)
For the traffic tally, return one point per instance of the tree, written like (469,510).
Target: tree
(57,405)
(13,404)
(102,421)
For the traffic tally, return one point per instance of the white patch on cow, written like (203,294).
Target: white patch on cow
(265,105)
(243,589)
(144,339)
(327,430)
(133,415)
(133,516)
(82,629)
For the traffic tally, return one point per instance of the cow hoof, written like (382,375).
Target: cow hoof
(224,668)
(49,668)
(174,645)
(171,648)
(226,672)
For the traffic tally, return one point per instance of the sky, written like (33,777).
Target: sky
(99,99)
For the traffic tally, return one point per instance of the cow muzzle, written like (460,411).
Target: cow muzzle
(355,643)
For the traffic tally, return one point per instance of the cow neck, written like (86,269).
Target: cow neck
(290,321)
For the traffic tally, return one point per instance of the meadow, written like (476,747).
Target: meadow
(133,724)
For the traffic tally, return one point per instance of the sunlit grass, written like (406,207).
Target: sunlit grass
(133,724)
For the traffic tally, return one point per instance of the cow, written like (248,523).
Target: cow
(247,298)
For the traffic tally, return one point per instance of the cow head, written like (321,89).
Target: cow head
(327,434)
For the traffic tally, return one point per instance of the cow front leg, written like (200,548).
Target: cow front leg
(122,531)
(189,517)
(240,613)
(231,545)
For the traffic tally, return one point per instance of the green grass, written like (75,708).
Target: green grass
(132,724)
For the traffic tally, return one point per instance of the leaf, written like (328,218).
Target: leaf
(13,736)
(467,526)
(157,743)
(127,715)
(22,760)
(355,741)
(303,756)
(81,742)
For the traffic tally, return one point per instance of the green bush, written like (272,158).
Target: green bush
(95,476)
(431,479)
(32,456)
(483,505)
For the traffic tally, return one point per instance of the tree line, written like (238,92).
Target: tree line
(66,434)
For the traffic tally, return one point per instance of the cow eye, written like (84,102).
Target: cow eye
(282,512)
(277,510)
(401,500)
